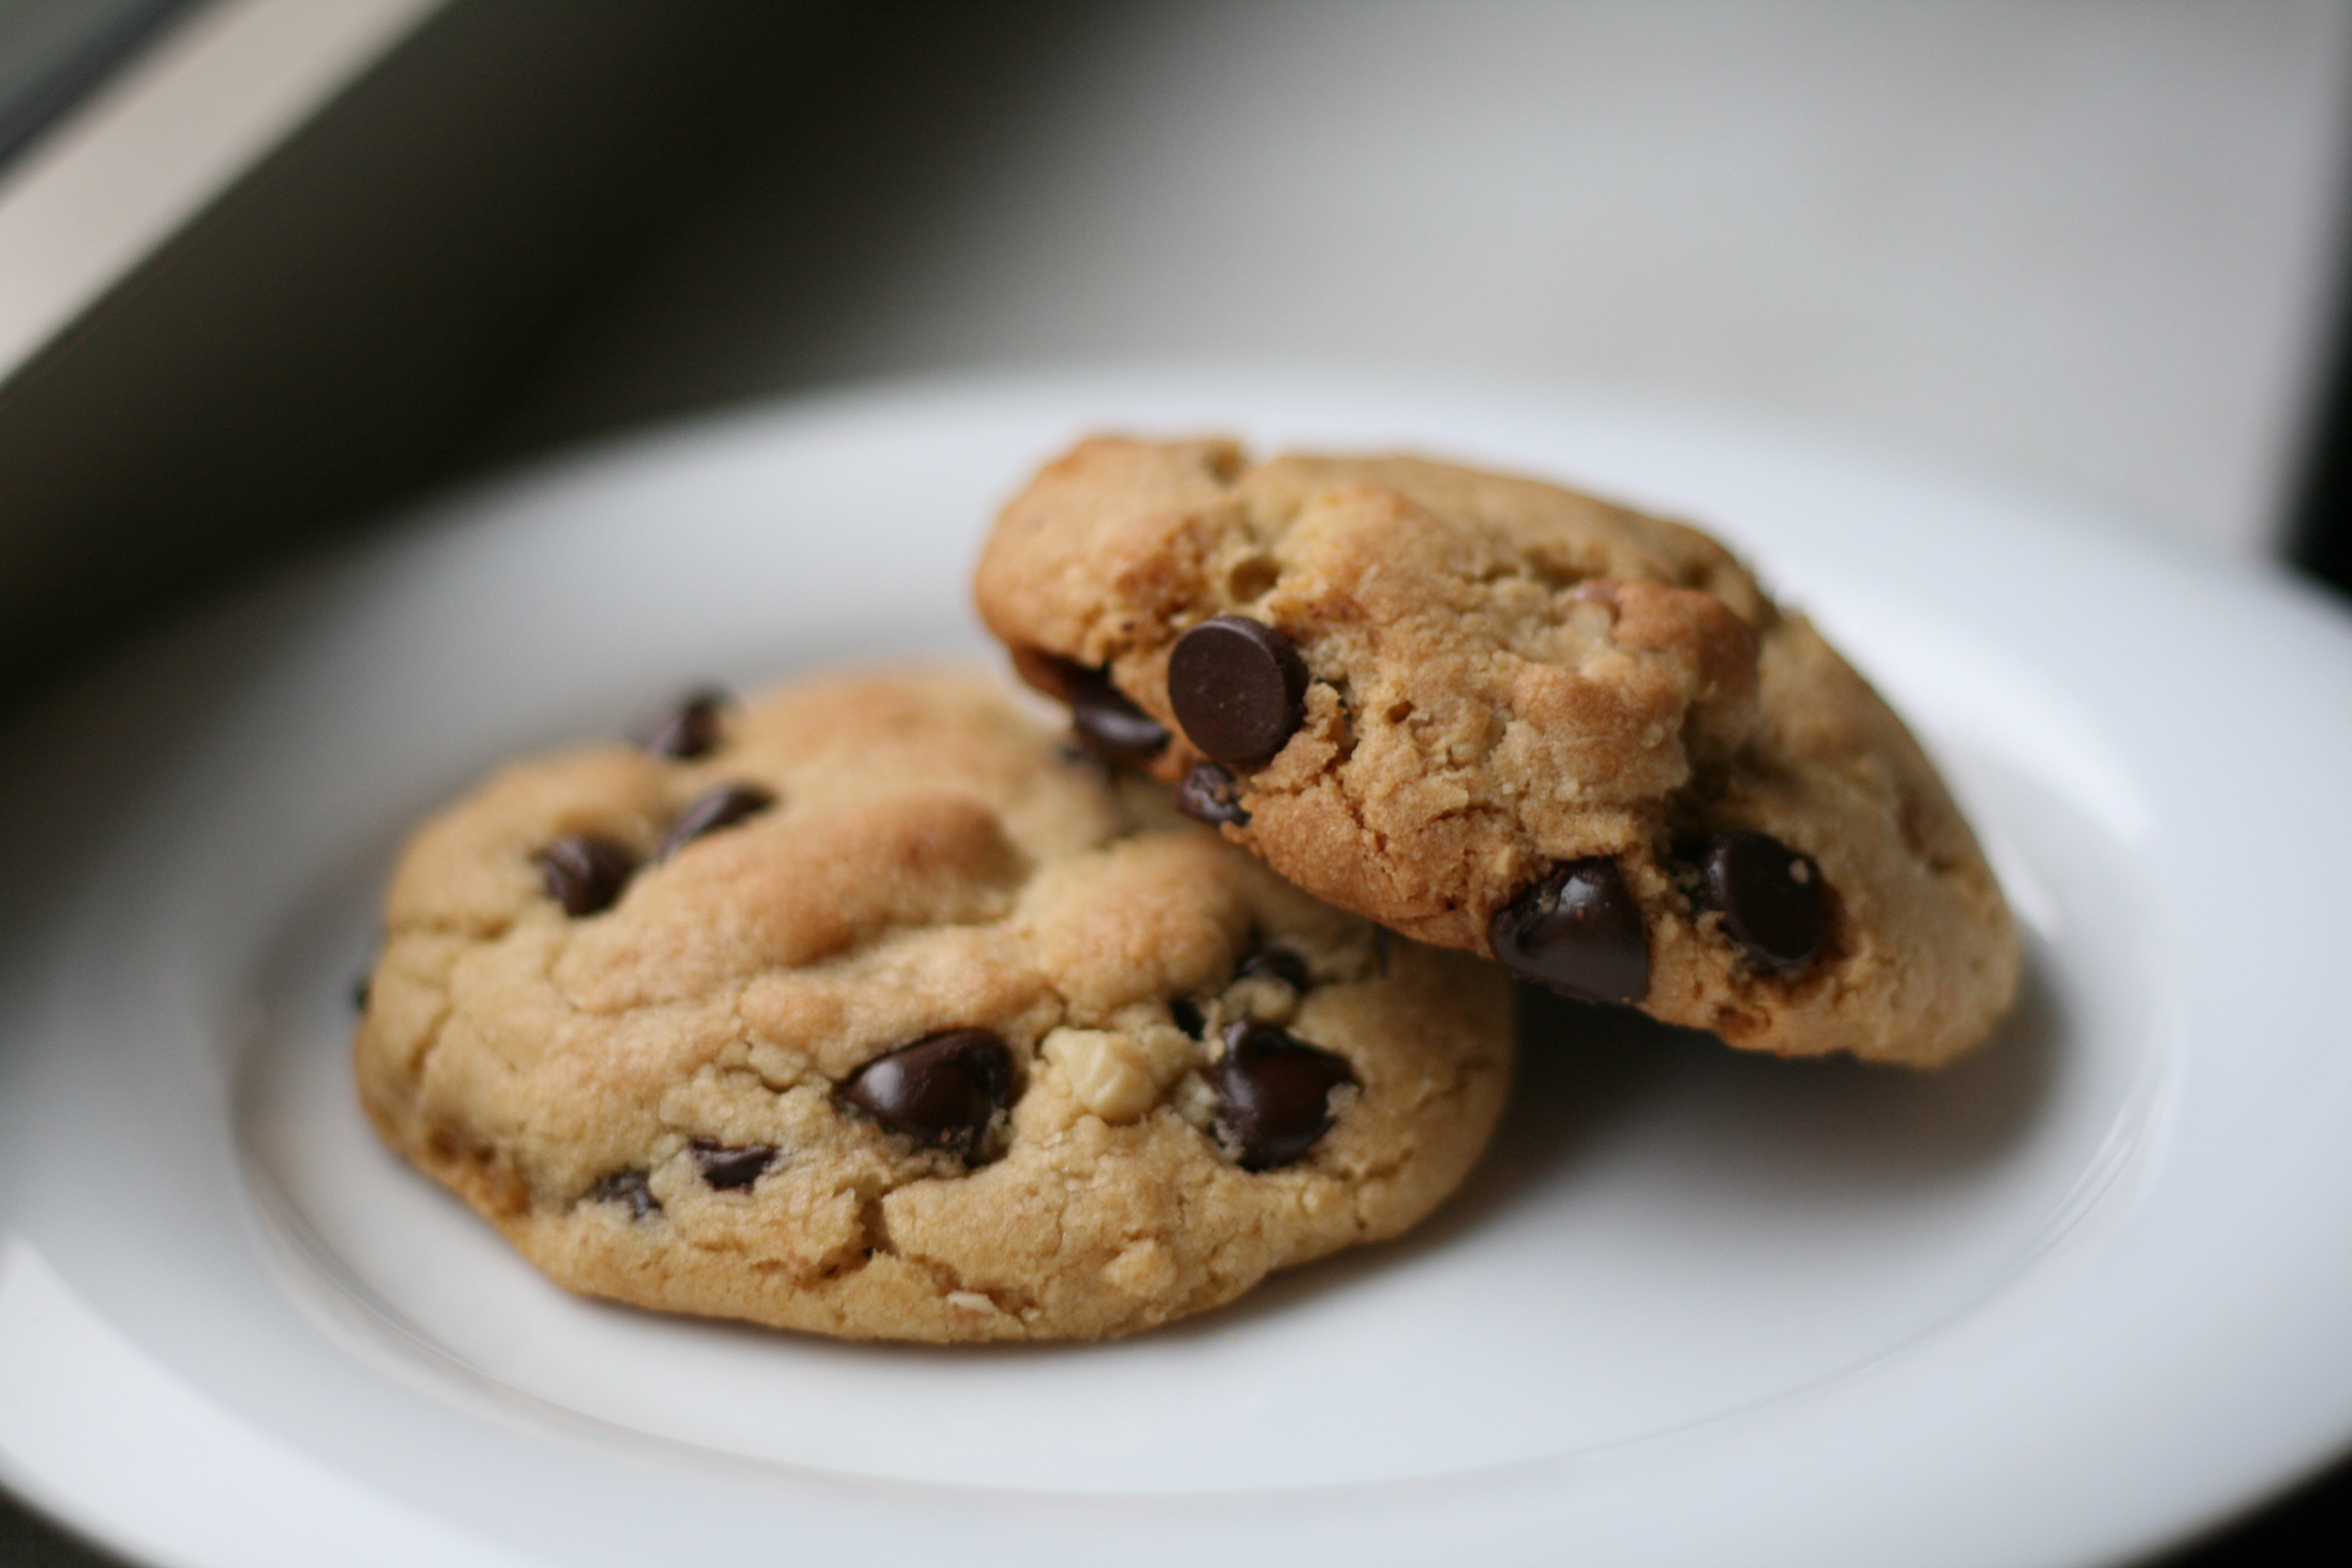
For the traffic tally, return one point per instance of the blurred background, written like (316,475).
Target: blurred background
(271,269)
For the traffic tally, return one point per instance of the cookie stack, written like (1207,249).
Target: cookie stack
(873,1009)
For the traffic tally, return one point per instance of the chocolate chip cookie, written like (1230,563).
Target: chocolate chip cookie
(868,1009)
(1499,716)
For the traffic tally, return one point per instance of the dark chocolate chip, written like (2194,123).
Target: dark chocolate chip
(689,729)
(1188,1015)
(1273,1094)
(722,805)
(1105,721)
(360,992)
(1281,963)
(942,1091)
(726,1166)
(1579,931)
(1111,726)
(1770,897)
(585,872)
(627,1188)
(1209,793)
(1238,687)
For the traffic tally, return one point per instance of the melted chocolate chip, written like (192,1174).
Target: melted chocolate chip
(585,872)
(727,1166)
(627,1188)
(1279,963)
(689,729)
(942,1091)
(1579,931)
(1209,793)
(1238,687)
(1770,897)
(1273,1094)
(722,806)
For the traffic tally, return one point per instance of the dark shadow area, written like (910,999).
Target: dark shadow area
(2298,1528)
(55,52)
(2319,532)
(334,331)
(885,115)
(28,1540)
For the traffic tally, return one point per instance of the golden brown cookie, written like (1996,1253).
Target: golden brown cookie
(870,1010)
(1503,717)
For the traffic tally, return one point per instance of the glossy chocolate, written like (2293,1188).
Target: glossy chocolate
(942,1091)
(1772,899)
(1578,930)
(1273,1094)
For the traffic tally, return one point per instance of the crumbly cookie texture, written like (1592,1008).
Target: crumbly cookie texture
(1503,717)
(870,1010)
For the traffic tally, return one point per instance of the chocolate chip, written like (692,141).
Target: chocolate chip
(1579,931)
(1209,793)
(727,1166)
(690,728)
(1279,963)
(1111,724)
(722,806)
(942,1091)
(585,872)
(627,1188)
(1770,897)
(1273,1094)
(1238,687)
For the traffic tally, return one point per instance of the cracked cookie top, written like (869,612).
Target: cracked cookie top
(867,1009)
(1503,717)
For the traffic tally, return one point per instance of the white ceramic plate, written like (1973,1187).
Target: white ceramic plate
(2079,1295)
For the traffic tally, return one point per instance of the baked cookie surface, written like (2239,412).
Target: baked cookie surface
(1503,717)
(868,1009)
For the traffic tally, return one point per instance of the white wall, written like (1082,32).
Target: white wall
(2090,245)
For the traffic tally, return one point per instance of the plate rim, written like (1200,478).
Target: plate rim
(680,441)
